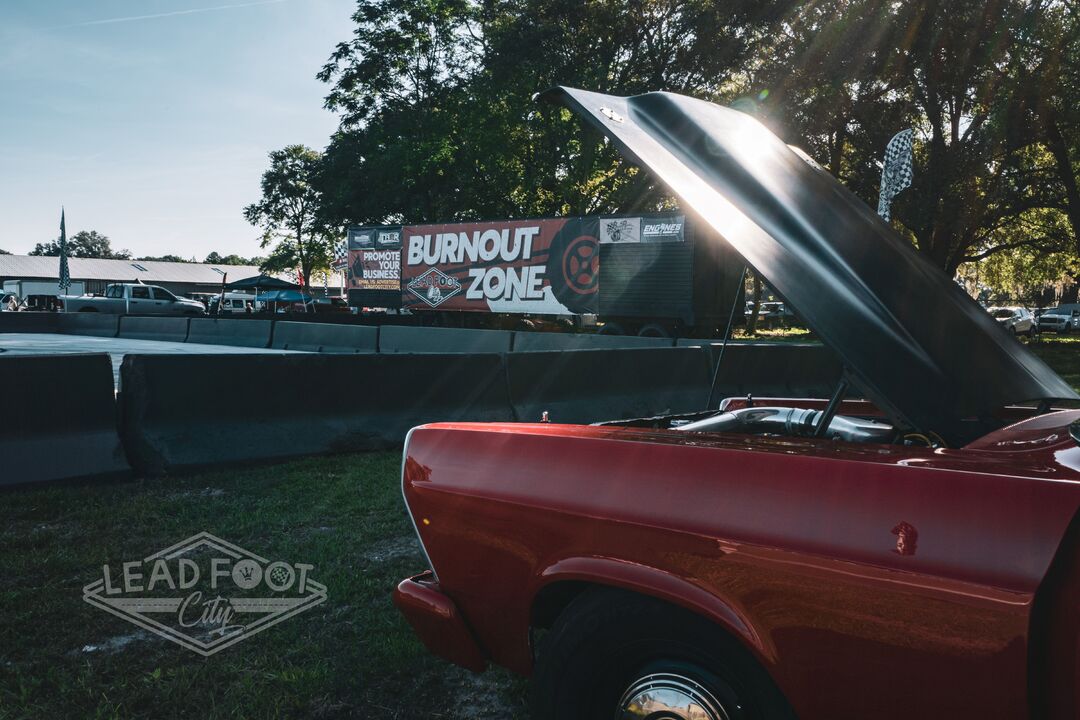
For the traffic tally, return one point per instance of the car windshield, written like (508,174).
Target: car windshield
(1002,313)
(1058,311)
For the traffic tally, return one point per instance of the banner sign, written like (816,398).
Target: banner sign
(375,263)
(646,229)
(547,266)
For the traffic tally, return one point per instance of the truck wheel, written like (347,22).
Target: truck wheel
(611,328)
(654,330)
(615,654)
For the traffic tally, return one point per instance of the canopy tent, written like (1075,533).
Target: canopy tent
(262,282)
(289,296)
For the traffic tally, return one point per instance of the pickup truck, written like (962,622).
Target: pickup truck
(133,299)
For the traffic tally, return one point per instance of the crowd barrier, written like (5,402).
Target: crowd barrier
(29,322)
(326,338)
(593,385)
(61,418)
(162,329)
(240,333)
(404,339)
(204,410)
(543,342)
(181,411)
(89,323)
(776,370)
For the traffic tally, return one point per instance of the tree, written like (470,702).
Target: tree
(289,214)
(166,258)
(83,244)
(4,252)
(215,258)
(438,120)
(438,117)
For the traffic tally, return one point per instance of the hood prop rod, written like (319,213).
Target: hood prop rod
(834,404)
(727,336)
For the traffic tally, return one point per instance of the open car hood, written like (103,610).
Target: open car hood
(910,338)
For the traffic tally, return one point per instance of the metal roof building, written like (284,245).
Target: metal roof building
(39,276)
(185,277)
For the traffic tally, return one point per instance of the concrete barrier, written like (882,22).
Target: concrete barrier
(593,385)
(162,329)
(61,418)
(240,333)
(777,370)
(403,339)
(544,342)
(327,338)
(196,410)
(29,322)
(92,323)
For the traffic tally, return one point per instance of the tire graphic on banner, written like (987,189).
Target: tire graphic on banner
(573,266)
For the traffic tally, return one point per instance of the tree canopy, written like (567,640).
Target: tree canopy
(216,258)
(438,121)
(289,214)
(83,244)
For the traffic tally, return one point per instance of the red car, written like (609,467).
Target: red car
(909,547)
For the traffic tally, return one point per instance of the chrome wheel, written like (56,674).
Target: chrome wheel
(668,696)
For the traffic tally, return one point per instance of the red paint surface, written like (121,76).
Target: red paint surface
(792,545)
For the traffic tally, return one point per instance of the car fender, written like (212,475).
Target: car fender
(663,585)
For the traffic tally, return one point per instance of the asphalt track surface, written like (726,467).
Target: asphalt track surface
(56,344)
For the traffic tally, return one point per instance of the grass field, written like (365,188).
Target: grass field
(351,656)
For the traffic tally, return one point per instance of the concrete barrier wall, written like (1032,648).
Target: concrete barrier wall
(593,385)
(162,329)
(29,322)
(401,339)
(99,324)
(543,342)
(325,337)
(777,370)
(196,410)
(240,333)
(61,418)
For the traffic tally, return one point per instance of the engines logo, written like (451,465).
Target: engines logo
(434,287)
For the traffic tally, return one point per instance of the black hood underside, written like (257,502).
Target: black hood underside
(918,346)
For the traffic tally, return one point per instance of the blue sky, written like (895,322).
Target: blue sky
(155,130)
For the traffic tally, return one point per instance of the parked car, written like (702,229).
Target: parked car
(1060,319)
(331,305)
(9,302)
(133,299)
(1017,320)
(912,551)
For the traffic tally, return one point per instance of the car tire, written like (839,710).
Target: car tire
(610,648)
(653,330)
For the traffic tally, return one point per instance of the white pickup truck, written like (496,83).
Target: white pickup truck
(133,299)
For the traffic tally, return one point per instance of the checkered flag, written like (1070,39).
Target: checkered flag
(341,256)
(65,274)
(896,173)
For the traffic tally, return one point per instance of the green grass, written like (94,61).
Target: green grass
(1061,352)
(351,656)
